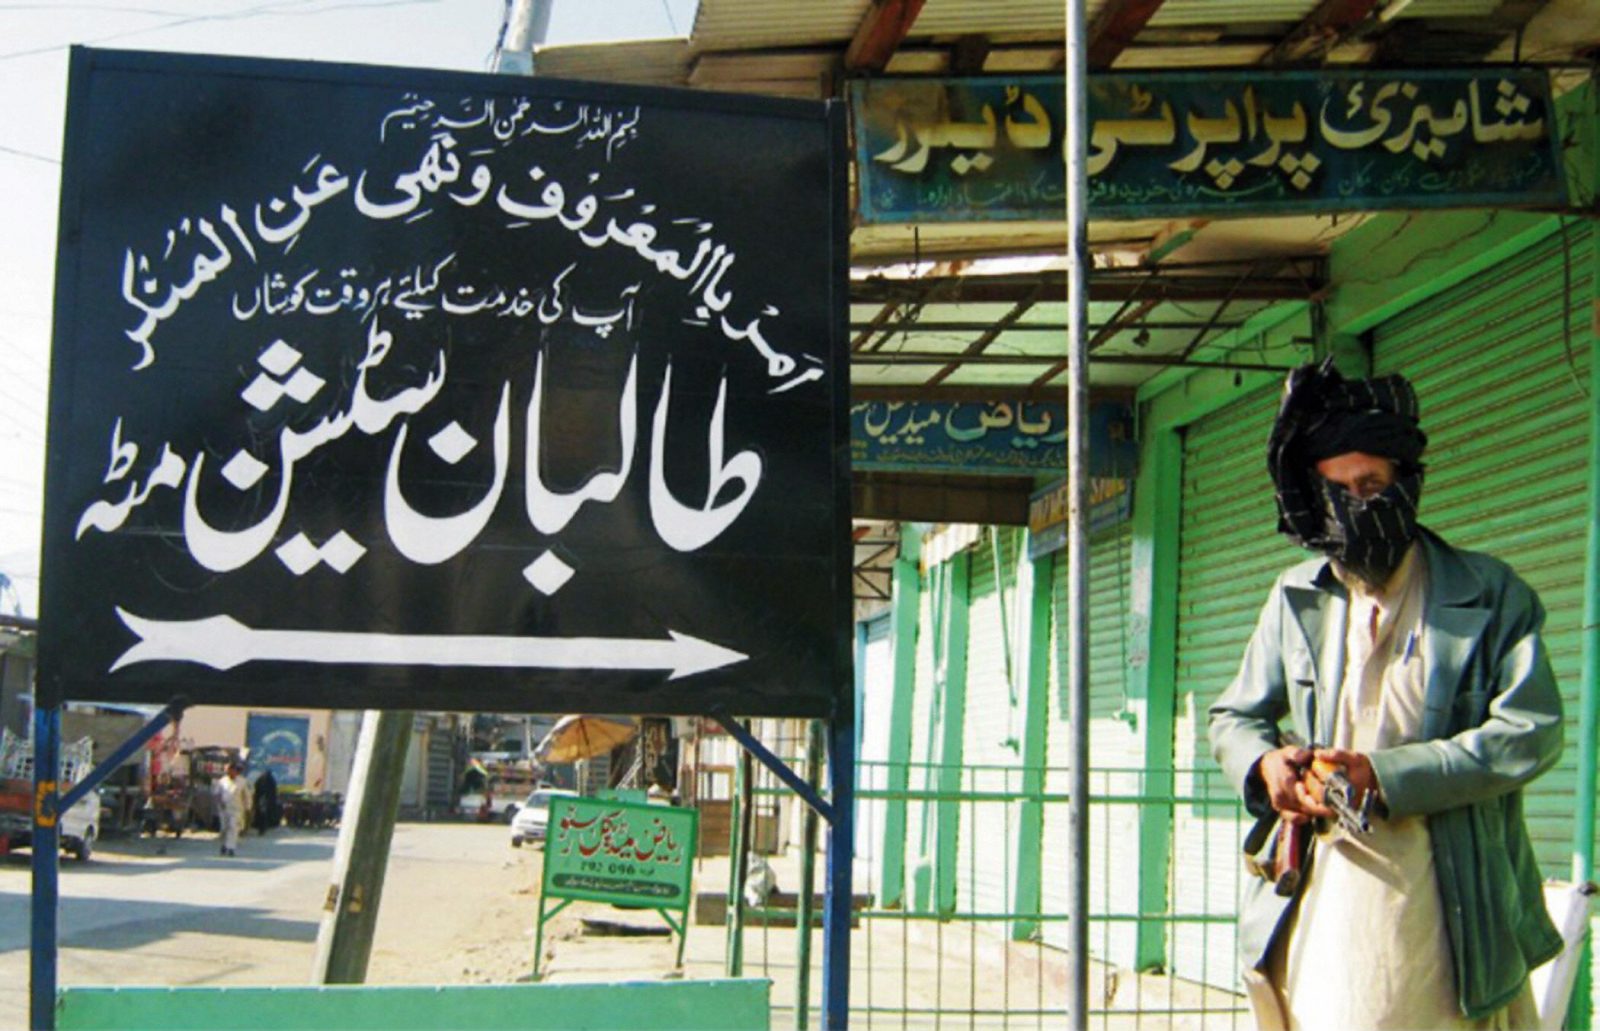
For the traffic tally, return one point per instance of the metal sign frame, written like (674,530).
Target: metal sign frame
(606,826)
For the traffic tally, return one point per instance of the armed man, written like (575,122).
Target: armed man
(1409,677)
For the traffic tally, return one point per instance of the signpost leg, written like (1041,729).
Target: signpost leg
(740,827)
(360,859)
(538,938)
(804,908)
(46,867)
(841,853)
(49,801)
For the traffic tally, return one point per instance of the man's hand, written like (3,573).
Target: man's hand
(1283,772)
(1356,767)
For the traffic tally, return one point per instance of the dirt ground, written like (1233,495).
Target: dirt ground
(460,907)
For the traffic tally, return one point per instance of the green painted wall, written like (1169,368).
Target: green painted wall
(907,602)
(635,1005)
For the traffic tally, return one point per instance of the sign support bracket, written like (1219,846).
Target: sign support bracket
(45,843)
(840,814)
(779,768)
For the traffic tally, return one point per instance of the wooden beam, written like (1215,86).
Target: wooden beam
(882,30)
(1321,30)
(1116,25)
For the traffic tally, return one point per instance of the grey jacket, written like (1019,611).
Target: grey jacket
(1491,723)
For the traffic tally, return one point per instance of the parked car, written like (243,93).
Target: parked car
(532,820)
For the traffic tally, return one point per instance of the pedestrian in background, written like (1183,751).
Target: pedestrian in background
(233,794)
(266,802)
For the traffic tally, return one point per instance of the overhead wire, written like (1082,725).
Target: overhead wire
(18,152)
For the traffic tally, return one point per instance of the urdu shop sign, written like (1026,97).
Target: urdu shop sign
(1213,143)
(1001,437)
(626,853)
(385,388)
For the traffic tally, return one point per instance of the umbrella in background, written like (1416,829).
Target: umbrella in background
(579,737)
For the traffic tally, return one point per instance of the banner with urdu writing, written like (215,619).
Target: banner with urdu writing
(1211,143)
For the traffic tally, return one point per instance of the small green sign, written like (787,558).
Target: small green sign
(602,850)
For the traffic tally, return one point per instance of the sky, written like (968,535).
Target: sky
(34,39)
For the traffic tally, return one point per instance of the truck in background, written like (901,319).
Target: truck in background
(79,827)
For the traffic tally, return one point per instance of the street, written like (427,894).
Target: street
(456,909)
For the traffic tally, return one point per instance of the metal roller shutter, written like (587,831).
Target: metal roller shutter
(877,705)
(992,732)
(1115,746)
(921,775)
(1229,555)
(1508,425)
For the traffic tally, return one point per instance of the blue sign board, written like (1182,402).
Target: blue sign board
(278,743)
(1007,438)
(1208,143)
(1110,504)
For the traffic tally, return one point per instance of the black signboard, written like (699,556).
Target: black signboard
(407,389)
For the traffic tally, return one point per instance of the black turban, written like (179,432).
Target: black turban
(1322,415)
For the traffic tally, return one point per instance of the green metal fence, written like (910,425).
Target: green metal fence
(971,935)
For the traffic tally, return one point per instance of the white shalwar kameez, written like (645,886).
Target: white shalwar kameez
(1367,946)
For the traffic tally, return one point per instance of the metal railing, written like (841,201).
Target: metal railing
(963,921)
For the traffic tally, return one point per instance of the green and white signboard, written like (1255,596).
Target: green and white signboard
(625,853)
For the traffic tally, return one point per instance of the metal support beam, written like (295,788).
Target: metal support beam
(48,805)
(841,856)
(779,768)
(120,755)
(1104,331)
(46,846)
(1319,32)
(978,394)
(1076,74)
(939,358)
(882,30)
(1103,286)
(1123,319)
(869,328)
(815,743)
(990,335)
(840,815)
(527,22)
(1115,27)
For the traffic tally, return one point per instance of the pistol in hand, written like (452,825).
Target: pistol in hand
(1330,787)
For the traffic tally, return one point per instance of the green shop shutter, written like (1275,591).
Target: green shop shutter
(992,731)
(1229,555)
(921,776)
(1115,749)
(877,715)
(1508,425)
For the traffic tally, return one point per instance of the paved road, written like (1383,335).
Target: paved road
(174,912)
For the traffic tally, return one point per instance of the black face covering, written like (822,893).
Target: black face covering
(1323,415)
(1369,536)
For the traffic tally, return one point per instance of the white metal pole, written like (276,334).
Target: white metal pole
(1074,146)
(526,26)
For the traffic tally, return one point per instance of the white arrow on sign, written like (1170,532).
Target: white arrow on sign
(223,642)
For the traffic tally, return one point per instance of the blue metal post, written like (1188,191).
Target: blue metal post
(46,867)
(841,854)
